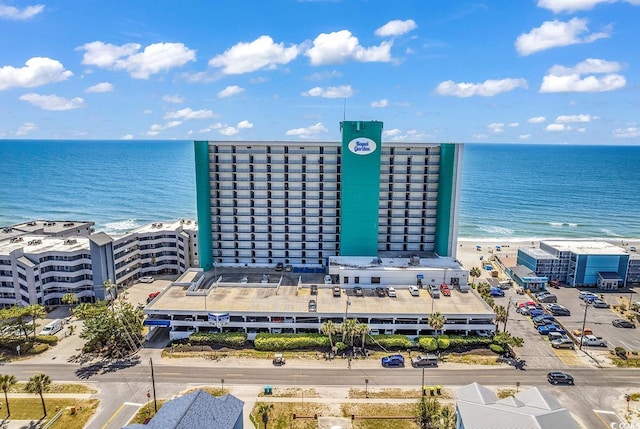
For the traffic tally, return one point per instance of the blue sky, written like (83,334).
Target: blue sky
(516,71)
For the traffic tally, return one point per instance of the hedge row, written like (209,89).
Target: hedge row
(219,339)
(389,341)
(277,342)
(443,342)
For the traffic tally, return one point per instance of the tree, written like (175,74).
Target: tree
(329,328)
(348,329)
(6,382)
(264,410)
(362,329)
(474,273)
(428,410)
(501,315)
(111,290)
(38,384)
(69,299)
(436,321)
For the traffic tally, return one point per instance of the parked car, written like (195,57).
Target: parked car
(336,291)
(580,332)
(496,292)
(146,279)
(583,295)
(288,268)
(279,266)
(548,298)
(244,279)
(544,330)
(543,319)
(278,359)
(358,291)
(592,340)
(542,293)
(621,323)
(536,312)
(312,306)
(599,303)
(558,336)
(152,296)
(424,360)
(327,280)
(562,343)
(444,289)
(391,291)
(526,310)
(380,292)
(559,310)
(314,289)
(414,291)
(557,377)
(393,360)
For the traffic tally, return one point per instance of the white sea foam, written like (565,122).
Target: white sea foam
(609,232)
(500,230)
(560,224)
(121,226)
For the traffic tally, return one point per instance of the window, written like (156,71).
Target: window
(375,280)
(356,280)
(346,280)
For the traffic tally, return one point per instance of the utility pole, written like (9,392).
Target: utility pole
(153,384)
(506,317)
(584,322)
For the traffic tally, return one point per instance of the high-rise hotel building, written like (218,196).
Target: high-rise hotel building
(299,203)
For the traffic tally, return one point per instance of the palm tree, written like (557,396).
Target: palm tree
(6,382)
(362,329)
(69,299)
(474,273)
(111,289)
(38,384)
(447,417)
(264,410)
(501,315)
(348,329)
(329,328)
(436,321)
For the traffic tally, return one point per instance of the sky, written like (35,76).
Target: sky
(495,71)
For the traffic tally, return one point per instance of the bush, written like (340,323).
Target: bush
(496,348)
(468,342)
(621,352)
(38,348)
(52,340)
(277,342)
(389,341)
(340,346)
(429,344)
(219,339)
(443,342)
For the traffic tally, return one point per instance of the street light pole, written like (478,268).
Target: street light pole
(506,317)
(366,387)
(346,309)
(584,322)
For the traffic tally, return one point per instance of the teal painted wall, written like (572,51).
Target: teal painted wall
(444,214)
(203,198)
(360,187)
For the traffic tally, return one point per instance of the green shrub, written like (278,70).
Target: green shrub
(470,341)
(428,344)
(277,342)
(219,339)
(389,341)
(443,342)
(340,345)
(496,348)
(38,348)
(52,340)
(621,352)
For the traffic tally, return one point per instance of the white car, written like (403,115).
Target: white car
(391,291)
(146,279)
(327,280)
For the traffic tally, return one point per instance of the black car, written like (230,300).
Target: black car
(380,292)
(558,377)
(279,266)
(358,291)
(559,311)
(314,289)
(621,323)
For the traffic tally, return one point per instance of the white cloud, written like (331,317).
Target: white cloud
(155,58)
(324,75)
(100,87)
(557,6)
(488,88)
(38,71)
(514,124)
(409,135)
(230,91)
(52,102)
(344,91)
(342,46)
(381,103)
(524,136)
(155,129)
(127,137)
(557,127)
(496,127)
(590,65)
(480,136)
(188,113)
(244,124)
(175,99)
(556,33)
(229,131)
(625,133)
(537,120)
(308,132)
(10,12)
(565,119)
(575,83)
(396,28)
(262,53)
(391,133)
(26,128)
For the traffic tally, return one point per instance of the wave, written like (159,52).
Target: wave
(493,229)
(610,233)
(561,224)
(121,227)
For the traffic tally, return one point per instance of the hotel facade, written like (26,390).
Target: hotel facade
(261,203)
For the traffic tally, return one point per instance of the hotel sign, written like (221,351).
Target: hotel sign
(362,146)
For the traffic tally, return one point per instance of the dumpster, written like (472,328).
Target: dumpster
(268,389)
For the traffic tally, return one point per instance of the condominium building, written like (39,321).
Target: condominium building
(261,203)
(41,261)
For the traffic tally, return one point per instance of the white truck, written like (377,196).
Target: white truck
(592,340)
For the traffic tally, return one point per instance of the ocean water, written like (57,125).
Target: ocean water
(509,192)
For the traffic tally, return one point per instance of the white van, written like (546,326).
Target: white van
(414,291)
(52,328)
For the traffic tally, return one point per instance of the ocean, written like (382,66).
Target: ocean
(508,192)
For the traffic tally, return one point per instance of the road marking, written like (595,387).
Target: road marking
(113,416)
(231,374)
(604,412)
(300,376)
(605,423)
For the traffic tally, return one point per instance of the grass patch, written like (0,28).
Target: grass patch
(394,393)
(382,410)
(625,363)
(292,393)
(56,388)
(31,409)
(505,393)
(472,359)
(635,396)
(281,416)
(147,411)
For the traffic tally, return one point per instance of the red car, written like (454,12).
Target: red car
(444,289)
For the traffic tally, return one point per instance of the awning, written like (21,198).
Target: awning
(157,322)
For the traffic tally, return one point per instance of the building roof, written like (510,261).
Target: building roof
(479,408)
(608,275)
(585,247)
(536,253)
(100,238)
(196,410)
(522,271)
